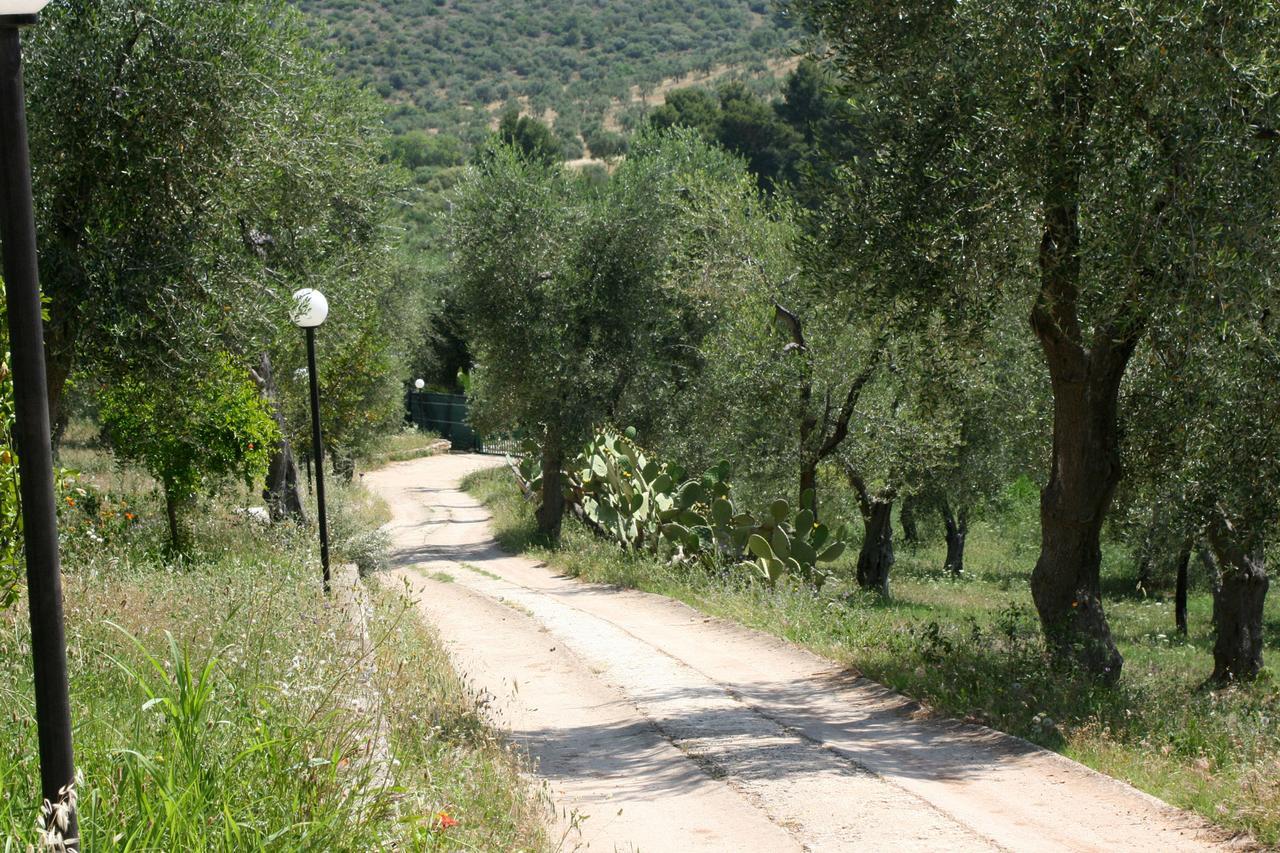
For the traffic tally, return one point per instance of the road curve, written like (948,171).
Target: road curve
(660,729)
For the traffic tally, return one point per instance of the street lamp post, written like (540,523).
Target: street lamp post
(31,432)
(310,310)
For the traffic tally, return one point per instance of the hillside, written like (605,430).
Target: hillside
(454,64)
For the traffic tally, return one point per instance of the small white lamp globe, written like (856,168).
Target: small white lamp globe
(419,384)
(310,308)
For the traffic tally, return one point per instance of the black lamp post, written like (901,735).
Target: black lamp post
(31,432)
(310,310)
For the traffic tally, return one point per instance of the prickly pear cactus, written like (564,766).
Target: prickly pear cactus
(622,491)
(528,466)
(795,545)
(643,504)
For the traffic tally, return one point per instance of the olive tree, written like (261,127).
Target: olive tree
(193,163)
(572,295)
(1204,431)
(1100,148)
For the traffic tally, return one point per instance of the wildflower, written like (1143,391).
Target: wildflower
(444,820)
(129,516)
(71,501)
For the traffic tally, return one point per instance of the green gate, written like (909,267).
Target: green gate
(446,414)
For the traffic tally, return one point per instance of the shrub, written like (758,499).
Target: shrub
(191,433)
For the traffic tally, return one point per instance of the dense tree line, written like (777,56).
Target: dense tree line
(945,178)
(443,63)
(194,164)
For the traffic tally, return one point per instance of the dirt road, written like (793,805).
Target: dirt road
(659,729)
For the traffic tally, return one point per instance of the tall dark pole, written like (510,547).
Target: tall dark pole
(317,452)
(31,433)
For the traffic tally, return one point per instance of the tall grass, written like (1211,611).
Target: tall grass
(971,648)
(216,700)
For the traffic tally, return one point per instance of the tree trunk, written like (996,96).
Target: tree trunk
(957,531)
(809,481)
(876,557)
(1146,555)
(818,437)
(550,512)
(1180,590)
(177,539)
(1085,463)
(281,493)
(1065,584)
(344,464)
(1237,652)
(1085,377)
(58,363)
(907,518)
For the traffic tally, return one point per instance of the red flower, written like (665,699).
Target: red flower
(444,820)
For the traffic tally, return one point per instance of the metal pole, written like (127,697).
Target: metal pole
(317,453)
(31,434)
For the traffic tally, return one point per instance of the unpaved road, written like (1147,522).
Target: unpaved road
(659,729)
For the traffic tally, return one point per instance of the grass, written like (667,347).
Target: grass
(215,700)
(409,443)
(970,648)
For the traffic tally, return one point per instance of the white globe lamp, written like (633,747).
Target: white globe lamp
(310,309)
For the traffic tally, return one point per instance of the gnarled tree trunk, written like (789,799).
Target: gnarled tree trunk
(876,557)
(281,493)
(59,361)
(809,481)
(907,518)
(550,511)
(343,462)
(1238,605)
(957,524)
(1085,377)
(1065,583)
(173,512)
(1210,564)
(818,437)
(1180,590)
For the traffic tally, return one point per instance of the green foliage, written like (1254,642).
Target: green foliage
(449,65)
(191,436)
(360,366)
(418,149)
(605,144)
(645,505)
(582,303)
(194,163)
(796,141)
(530,137)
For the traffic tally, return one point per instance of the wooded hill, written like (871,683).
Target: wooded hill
(454,63)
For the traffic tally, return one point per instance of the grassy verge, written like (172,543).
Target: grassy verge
(409,443)
(970,648)
(213,698)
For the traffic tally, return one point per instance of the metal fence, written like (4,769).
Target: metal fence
(446,414)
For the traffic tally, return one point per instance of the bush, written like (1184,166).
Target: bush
(191,435)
